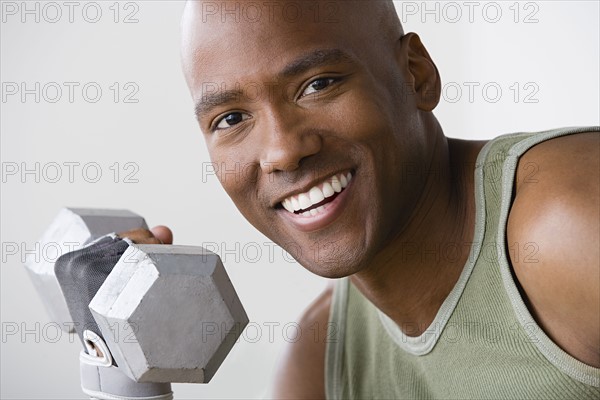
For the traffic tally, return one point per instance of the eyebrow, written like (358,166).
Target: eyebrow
(306,62)
(315,59)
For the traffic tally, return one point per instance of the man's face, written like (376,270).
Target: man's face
(311,129)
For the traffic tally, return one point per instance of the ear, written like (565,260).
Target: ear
(423,78)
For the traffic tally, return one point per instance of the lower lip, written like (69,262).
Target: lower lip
(332,210)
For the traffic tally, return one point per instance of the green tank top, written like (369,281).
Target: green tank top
(483,342)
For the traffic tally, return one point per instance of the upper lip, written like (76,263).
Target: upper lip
(306,187)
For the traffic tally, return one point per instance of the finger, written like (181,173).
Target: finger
(140,236)
(163,233)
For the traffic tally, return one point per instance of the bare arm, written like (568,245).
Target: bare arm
(559,211)
(301,373)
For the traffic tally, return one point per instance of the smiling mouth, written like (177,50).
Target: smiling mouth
(313,202)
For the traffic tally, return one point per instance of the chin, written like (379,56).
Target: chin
(335,263)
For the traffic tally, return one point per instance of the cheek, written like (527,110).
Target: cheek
(237,174)
(361,115)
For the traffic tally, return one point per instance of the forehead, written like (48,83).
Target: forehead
(229,39)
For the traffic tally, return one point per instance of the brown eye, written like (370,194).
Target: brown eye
(231,119)
(318,85)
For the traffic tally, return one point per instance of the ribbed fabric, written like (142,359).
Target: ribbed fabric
(483,342)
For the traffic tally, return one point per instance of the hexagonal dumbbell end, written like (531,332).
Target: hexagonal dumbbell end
(70,230)
(169,313)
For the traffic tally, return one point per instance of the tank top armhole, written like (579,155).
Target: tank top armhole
(335,339)
(551,351)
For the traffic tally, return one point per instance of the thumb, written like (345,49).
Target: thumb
(163,233)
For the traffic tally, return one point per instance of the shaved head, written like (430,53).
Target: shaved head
(374,21)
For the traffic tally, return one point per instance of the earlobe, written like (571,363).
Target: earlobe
(423,78)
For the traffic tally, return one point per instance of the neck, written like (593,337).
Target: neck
(413,274)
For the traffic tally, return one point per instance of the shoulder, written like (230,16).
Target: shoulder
(301,373)
(553,234)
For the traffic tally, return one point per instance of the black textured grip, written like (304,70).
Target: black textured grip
(80,274)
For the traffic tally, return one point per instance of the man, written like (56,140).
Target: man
(331,122)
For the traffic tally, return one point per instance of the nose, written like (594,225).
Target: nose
(287,141)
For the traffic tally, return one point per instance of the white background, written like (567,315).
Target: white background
(557,57)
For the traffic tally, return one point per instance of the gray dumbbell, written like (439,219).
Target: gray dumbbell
(167,313)
(71,230)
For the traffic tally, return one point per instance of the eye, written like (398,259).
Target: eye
(318,85)
(230,120)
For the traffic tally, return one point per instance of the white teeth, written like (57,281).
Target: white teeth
(328,190)
(295,204)
(304,201)
(317,194)
(314,211)
(287,204)
(335,184)
(344,181)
